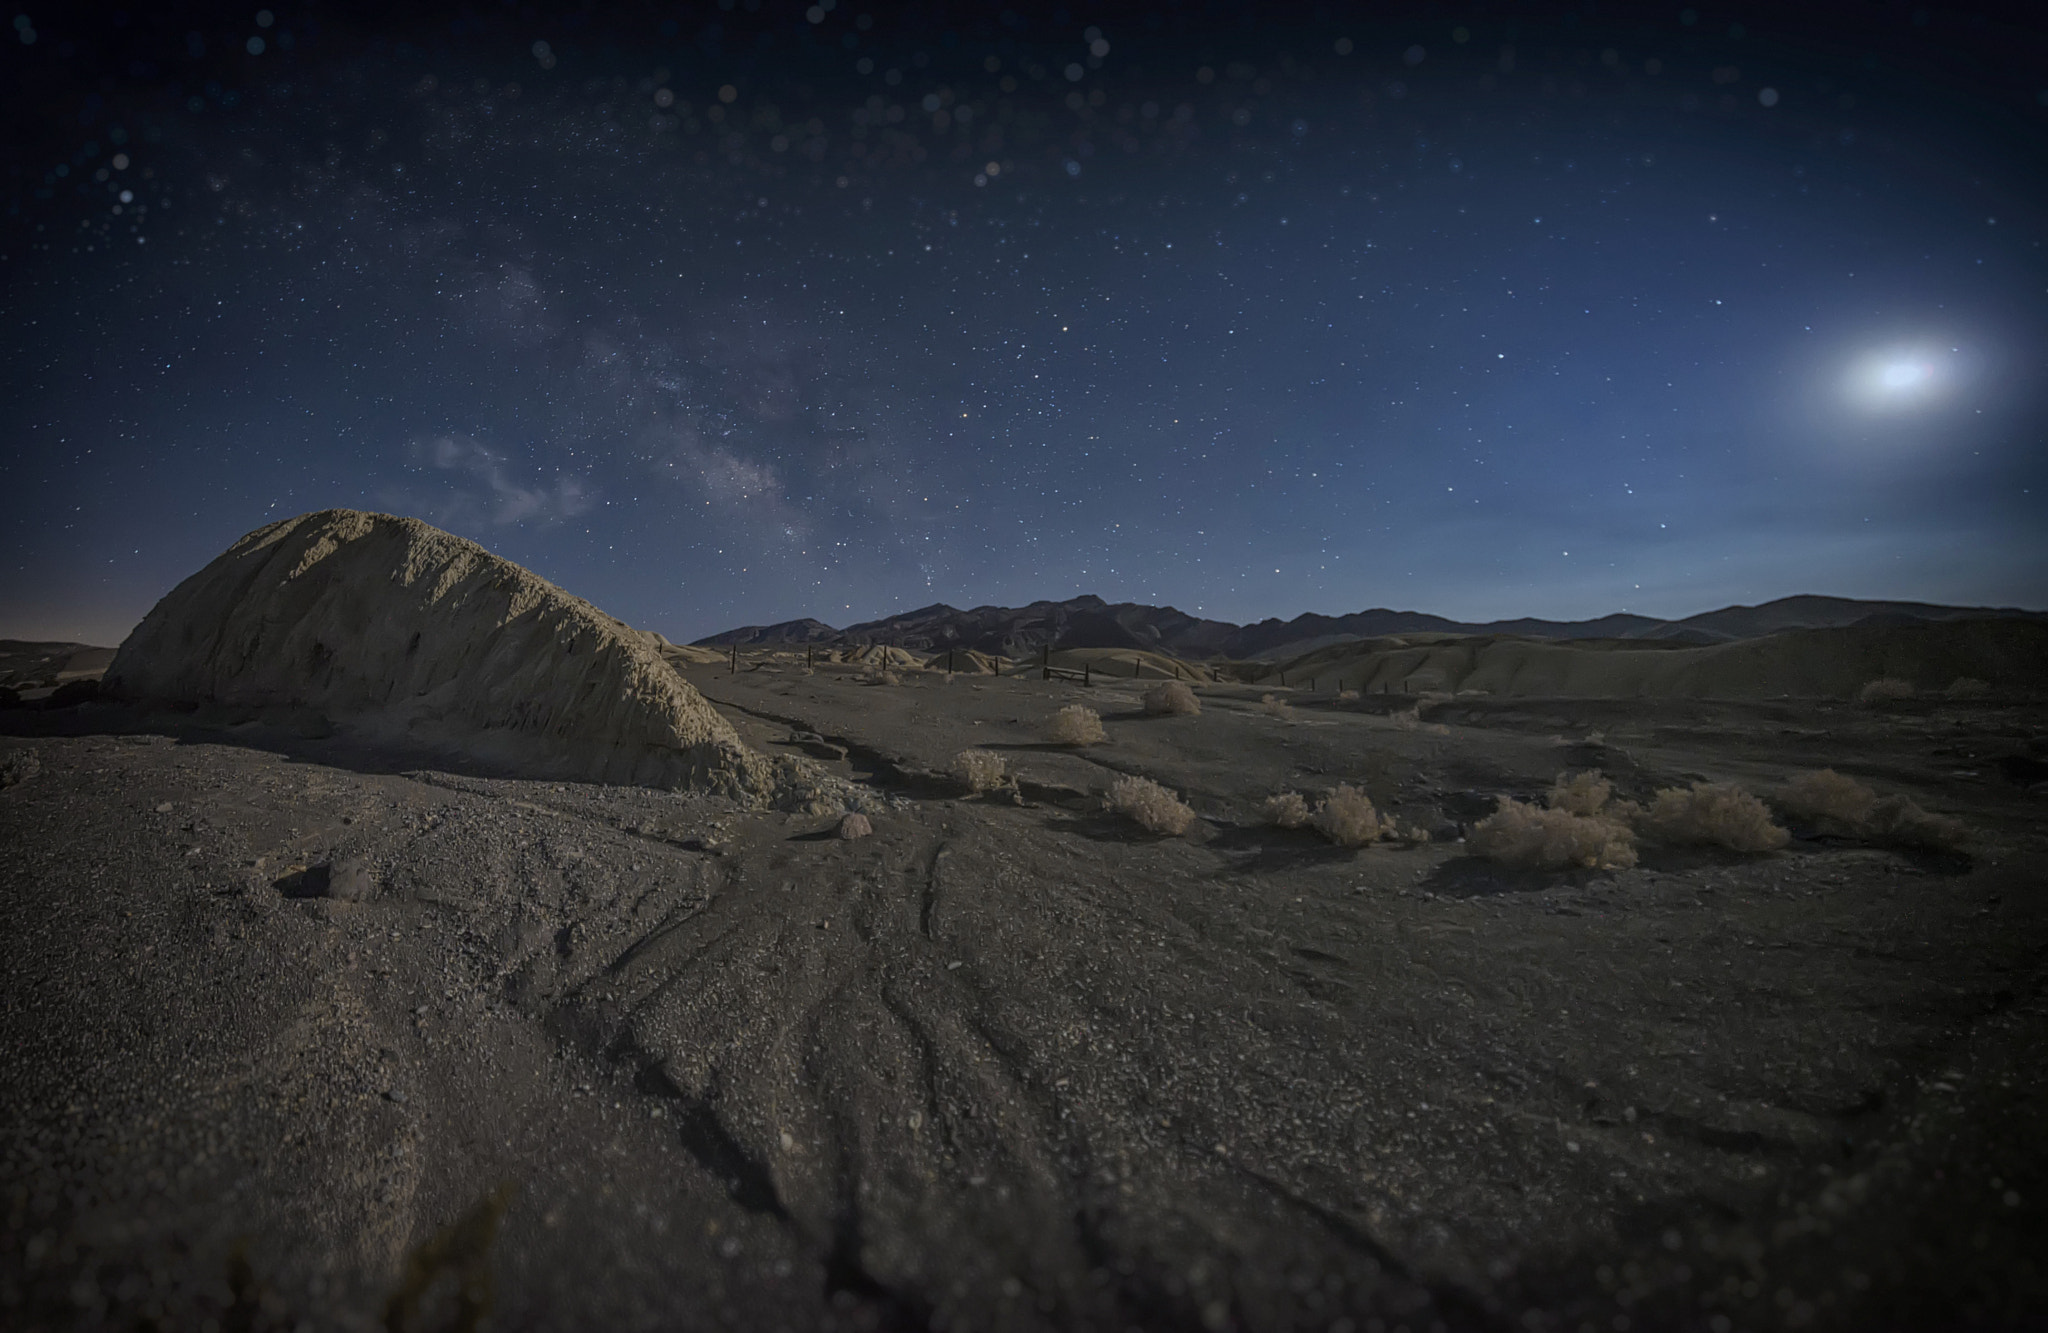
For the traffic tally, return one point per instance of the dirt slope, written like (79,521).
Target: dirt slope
(397,629)
(2010,655)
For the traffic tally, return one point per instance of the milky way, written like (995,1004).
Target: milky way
(721,315)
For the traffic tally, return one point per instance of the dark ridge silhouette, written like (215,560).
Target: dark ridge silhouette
(1089,622)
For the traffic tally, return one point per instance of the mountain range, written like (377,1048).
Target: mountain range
(1090,622)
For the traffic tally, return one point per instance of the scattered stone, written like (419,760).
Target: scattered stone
(350,880)
(19,766)
(816,746)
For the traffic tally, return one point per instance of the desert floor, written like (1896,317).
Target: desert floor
(297,1033)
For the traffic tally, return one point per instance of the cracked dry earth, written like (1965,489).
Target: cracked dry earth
(278,1014)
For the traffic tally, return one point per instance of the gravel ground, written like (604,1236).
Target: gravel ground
(303,1035)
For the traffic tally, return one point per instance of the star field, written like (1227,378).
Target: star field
(718,314)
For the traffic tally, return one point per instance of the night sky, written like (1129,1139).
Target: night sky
(732,313)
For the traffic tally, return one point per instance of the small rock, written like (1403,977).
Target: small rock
(395,1095)
(19,766)
(350,880)
(163,807)
(855,825)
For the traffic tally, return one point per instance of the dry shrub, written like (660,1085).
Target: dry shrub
(1346,817)
(1583,826)
(1829,798)
(1901,822)
(1172,697)
(1287,810)
(1076,724)
(1526,835)
(1411,720)
(1885,689)
(1150,805)
(978,770)
(855,825)
(1967,687)
(1583,794)
(1272,706)
(1591,796)
(1842,805)
(1717,814)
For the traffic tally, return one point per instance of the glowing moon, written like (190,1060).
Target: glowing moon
(1903,375)
(1898,379)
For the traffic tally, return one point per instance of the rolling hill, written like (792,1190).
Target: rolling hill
(1090,622)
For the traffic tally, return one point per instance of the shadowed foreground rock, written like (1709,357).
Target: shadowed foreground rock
(399,631)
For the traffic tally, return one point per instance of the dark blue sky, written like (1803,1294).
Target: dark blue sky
(1487,310)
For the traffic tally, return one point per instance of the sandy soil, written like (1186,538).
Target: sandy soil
(279,1013)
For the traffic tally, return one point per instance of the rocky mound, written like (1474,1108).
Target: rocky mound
(398,631)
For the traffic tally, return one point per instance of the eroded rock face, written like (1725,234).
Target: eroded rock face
(400,631)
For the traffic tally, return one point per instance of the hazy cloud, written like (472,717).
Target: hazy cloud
(482,488)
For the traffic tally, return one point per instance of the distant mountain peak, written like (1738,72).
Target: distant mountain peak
(1088,621)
